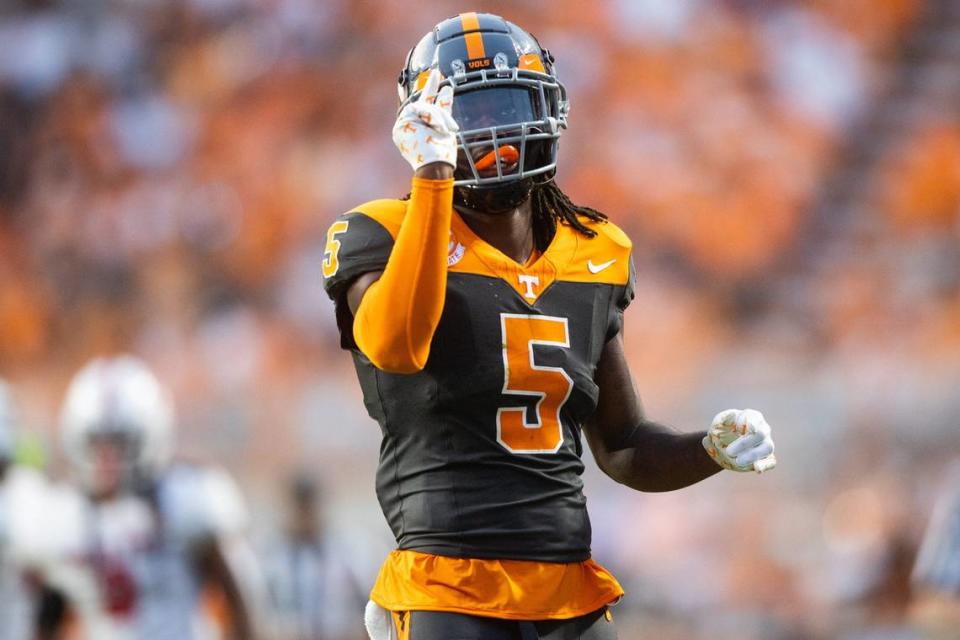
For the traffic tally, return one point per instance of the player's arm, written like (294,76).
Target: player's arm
(649,456)
(632,449)
(397,310)
(432,171)
(937,566)
(211,516)
(216,571)
(51,613)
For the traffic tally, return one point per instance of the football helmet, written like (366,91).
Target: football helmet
(120,400)
(508,102)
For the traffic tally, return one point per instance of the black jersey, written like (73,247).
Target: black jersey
(481,451)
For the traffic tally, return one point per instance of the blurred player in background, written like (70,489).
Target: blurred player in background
(936,574)
(148,537)
(22,502)
(484,314)
(314,592)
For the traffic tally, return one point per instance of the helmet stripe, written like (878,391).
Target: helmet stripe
(472,35)
(470,21)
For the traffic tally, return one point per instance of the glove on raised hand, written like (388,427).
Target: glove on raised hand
(425,130)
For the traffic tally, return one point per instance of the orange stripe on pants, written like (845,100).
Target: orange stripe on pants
(401,622)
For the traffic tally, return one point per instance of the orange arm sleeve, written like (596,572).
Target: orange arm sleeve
(398,314)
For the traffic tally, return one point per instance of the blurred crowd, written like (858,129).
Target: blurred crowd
(168,169)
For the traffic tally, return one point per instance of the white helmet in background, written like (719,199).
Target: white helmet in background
(7,422)
(118,397)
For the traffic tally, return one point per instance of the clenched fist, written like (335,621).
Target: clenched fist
(740,440)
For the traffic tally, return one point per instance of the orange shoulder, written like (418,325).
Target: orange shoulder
(605,258)
(388,212)
(611,234)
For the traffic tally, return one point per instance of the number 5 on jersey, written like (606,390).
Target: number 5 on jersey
(523,377)
(331,261)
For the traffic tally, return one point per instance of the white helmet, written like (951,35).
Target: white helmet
(7,421)
(118,396)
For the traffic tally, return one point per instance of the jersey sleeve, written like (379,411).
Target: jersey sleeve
(357,243)
(613,246)
(621,299)
(626,293)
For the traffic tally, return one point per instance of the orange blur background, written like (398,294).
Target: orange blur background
(789,173)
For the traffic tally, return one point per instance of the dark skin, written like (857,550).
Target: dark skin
(216,571)
(628,447)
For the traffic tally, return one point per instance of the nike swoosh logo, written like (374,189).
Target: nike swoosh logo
(597,268)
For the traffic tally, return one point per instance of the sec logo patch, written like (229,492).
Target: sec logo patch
(455,250)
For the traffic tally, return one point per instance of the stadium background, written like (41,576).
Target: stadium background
(789,173)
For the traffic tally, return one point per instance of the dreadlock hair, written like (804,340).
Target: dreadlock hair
(552,206)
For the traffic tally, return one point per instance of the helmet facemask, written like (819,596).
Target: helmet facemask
(506,133)
(510,123)
(112,460)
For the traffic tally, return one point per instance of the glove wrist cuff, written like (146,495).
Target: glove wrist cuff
(712,451)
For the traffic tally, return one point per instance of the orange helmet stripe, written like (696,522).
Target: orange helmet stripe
(474,40)
(470,21)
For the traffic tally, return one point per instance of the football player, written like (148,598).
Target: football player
(484,314)
(29,607)
(936,573)
(148,536)
(22,499)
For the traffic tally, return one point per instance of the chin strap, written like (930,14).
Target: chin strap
(494,199)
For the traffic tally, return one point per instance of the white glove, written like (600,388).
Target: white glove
(740,440)
(425,131)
